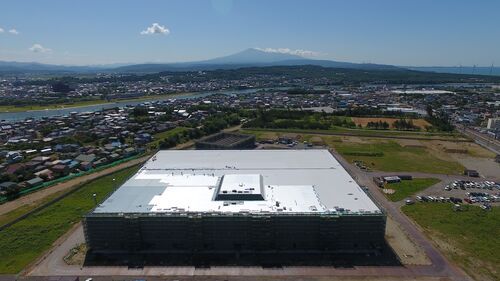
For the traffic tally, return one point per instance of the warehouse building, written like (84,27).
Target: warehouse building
(225,140)
(231,205)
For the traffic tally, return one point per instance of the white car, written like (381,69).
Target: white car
(409,202)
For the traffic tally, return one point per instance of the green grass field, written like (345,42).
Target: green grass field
(408,188)
(14,214)
(396,158)
(470,238)
(23,242)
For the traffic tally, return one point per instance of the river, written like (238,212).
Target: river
(37,114)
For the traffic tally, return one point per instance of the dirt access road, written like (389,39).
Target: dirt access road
(34,197)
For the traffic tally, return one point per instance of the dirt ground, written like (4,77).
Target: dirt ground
(350,139)
(471,148)
(363,121)
(406,250)
(487,167)
(76,256)
(410,143)
(37,196)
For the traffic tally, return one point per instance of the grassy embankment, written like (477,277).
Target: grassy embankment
(471,238)
(23,108)
(16,213)
(14,108)
(23,242)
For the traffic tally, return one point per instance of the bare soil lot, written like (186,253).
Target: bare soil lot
(407,251)
(363,121)
(486,167)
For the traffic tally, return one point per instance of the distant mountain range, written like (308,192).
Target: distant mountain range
(12,67)
(247,58)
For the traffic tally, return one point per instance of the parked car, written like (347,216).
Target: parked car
(409,202)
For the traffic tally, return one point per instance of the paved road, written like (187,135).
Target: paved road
(481,139)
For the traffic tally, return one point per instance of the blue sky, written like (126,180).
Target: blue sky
(400,32)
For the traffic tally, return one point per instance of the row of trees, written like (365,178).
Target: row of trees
(372,112)
(211,125)
(439,120)
(379,125)
(405,125)
(294,119)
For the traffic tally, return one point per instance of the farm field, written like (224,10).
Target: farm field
(363,121)
(408,188)
(23,242)
(471,238)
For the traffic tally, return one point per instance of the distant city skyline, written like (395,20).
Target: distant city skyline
(409,33)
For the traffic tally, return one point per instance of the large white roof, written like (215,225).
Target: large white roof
(305,181)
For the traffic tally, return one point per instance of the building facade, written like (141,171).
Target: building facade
(227,205)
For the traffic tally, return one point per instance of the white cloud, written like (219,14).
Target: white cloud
(1,30)
(13,31)
(156,28)
(298,52)
(37,48)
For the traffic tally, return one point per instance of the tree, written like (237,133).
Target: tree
(140,111)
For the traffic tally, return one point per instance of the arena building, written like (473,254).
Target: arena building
(229,205)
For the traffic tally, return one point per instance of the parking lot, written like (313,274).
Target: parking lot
(482,193)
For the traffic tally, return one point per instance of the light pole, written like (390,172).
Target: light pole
(94,195)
